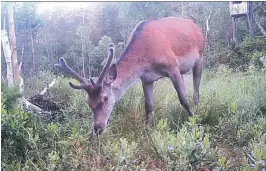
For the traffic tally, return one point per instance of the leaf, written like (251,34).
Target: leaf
(66,143)
(206,142)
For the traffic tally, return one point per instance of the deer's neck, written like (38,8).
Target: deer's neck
(128,71)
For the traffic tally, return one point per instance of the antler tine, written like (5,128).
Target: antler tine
(64,67)
(107,65)
(78,87)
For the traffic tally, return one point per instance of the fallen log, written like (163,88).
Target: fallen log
(38,104)
(29,106)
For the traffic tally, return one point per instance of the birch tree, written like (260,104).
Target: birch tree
(7,53)
(13,45)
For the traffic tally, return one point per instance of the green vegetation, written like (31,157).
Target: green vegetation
(228,134)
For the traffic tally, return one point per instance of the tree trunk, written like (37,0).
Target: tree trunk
(207,36)
(4,23)
(47,47)
(7,53)
(13,42)
(32,50)
(90,66)
(82,47)
(234,29)
(82,55)
(207,28)
(250,19)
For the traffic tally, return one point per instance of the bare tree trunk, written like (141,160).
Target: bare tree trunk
(4,25)
(13,42)
(21,83)
(250,20)
(207,27)
(89,66)
(234,29)
(83,58)
(32,50)
(7,53)
(207,35)
(47,48)
(82,47)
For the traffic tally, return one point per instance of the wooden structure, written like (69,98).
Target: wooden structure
(241,9)
(238,8)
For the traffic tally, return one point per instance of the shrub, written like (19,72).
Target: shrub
(10,96)
(122,152)
(250,50)
(256,151)
(183,149)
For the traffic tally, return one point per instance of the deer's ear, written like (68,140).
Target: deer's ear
(111,75)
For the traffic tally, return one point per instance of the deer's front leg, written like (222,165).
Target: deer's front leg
(148,95)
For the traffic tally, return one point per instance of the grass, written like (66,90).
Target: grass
(228,134)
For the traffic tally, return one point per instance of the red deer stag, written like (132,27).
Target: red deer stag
(167,47)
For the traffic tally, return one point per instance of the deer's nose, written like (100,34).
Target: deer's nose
(98,129)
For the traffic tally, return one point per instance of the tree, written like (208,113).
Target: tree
(12,33)
(28,24)
(8,59)
(99,54)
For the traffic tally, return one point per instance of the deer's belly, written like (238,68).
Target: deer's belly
(151,76)
(185,64)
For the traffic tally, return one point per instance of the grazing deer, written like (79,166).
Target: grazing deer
(167,47)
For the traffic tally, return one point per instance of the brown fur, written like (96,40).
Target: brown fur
(163,43)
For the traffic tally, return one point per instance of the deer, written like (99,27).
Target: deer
(166,47)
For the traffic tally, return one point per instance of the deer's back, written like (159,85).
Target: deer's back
(166,40)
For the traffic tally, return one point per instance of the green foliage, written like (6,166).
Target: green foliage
(10,96)
(29,142)
(183,149)
(250,50)
(14,132)
(37,82)
(121,153)
(100,53)
(254,49)
(256,153)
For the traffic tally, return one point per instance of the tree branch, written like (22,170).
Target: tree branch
(48,87)
(261,28)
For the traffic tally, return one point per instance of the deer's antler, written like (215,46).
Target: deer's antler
(107,65)
(64,67)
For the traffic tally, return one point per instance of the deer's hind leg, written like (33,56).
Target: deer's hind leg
(178,82)
(197,71)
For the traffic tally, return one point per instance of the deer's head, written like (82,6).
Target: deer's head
(99,91)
